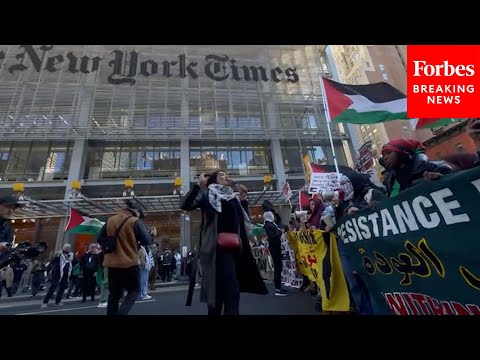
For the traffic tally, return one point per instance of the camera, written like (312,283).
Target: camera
(23,251)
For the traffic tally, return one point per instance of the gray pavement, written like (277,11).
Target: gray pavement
(171,301)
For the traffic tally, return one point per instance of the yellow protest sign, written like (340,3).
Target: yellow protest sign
(312,253)
(308,169)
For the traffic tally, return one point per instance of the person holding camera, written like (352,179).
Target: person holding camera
(8,204)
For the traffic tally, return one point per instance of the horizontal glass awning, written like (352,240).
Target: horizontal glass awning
(33,209)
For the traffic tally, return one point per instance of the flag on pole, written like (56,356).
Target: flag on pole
(364,104)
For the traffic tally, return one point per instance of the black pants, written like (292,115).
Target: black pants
(166,273)
(3,284)
(120,280)
(276,253)
(227,286)
(62,285)
(75,283)
(37,281)
(89,284)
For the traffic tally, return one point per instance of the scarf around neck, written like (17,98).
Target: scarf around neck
(217,193)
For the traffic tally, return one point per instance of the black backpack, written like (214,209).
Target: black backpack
(109,243)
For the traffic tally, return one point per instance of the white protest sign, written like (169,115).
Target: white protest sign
(320,182)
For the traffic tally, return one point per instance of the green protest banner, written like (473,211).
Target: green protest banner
(419,252)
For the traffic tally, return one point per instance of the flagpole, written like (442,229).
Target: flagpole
(327,118)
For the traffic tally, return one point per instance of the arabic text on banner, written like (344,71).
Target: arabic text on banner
(418,252)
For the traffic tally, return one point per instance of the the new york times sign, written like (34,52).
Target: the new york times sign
(127,65)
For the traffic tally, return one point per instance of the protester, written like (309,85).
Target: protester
(127,231)
(461,161)
(61,267)
(38,276)
(8,204)
(225,272)
(316,209)
(152,277)
(473,130)
(76,279)
(89,266)
(104,288)
(178,263)
(407,165)
(6,278)
(166,263)
(274,235)
(365,195)
(145,267)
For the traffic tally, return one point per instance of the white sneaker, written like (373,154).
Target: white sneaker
(197,286)
(102,304)
(148,297)
(44,306)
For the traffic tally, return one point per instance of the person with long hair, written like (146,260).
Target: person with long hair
(226,272)
(316,208)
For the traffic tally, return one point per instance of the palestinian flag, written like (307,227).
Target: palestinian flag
(78,223)
(364,104)
(433,122)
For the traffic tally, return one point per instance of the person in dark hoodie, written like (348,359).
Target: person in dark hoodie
(407,165)
(316,208)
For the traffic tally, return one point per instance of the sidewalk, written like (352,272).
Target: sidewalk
(28,300)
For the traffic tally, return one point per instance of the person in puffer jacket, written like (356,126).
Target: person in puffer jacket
(407,165)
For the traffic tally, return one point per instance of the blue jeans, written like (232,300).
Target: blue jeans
(358,290)
(143,282)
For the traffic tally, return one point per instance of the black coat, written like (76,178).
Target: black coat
(274,235)
(249,276)
(6,231)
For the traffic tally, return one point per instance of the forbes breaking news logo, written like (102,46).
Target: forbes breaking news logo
(442,81)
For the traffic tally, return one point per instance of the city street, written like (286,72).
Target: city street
(171,301)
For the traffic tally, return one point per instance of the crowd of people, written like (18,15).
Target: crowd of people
(227,267)
(223,261)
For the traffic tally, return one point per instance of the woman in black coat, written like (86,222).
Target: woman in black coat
(225,273)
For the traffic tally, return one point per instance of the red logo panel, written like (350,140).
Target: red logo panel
(443,81)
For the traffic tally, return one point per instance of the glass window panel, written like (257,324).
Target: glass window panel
(4,156)
(37,160)
(17,162)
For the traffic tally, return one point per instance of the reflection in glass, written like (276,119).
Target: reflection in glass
(236,159)
(131,159)
(35,161)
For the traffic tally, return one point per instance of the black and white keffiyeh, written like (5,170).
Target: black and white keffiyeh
(217,193)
